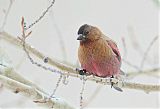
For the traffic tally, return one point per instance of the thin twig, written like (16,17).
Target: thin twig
(57,84)
(23,38)
(93,96)
(43,14)
(131,65)
(6,15)
(134,41)
(147,51)
(81,93)
(124,47)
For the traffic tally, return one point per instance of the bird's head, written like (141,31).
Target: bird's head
(88,33)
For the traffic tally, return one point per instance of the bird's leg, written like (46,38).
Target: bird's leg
(112,83)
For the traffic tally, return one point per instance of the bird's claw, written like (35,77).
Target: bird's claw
(112,84)
(81,72)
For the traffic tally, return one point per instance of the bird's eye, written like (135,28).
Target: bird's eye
(86,32)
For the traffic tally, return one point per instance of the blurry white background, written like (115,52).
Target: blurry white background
(134,20)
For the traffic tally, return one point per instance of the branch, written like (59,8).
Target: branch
(29,91)
(153,72)
(145,87)
(6,15)
(72,72)
(10,73)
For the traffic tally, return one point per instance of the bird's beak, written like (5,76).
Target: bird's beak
(81,37)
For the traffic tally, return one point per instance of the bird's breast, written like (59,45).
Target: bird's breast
(95,51)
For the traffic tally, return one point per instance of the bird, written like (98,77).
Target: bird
(97,53)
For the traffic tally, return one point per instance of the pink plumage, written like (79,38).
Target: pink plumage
(97,53)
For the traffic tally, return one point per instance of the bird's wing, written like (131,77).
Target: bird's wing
(114,48)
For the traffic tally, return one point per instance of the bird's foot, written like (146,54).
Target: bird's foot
(82,71)
(113,84)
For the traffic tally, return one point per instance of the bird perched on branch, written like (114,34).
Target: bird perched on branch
(97,53)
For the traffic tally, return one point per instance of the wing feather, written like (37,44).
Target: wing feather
(114,48)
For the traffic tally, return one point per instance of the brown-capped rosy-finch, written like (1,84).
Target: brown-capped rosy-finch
(97,53)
